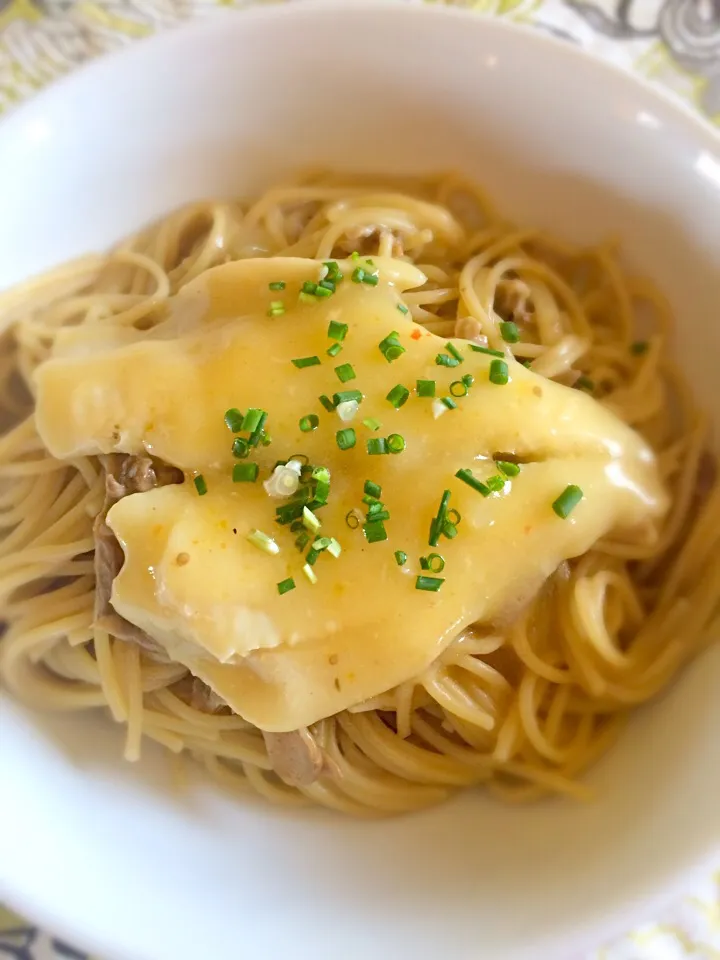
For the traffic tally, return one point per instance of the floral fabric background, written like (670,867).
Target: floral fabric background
(674,43)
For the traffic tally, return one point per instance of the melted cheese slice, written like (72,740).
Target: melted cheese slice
(193,581)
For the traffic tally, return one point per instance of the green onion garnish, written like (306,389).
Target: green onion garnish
(302,539)
(277,285)
(345,372)
(308,423)
(286,585)
(378,514)
(327,403)
(358,275)
(334,548)
(430,584)
(449,403)
(345,438)
(499,372)
(403,309)
(467,477)
(323,290)
(252,419)
(584,383)
(276,308)
(398,395)
(458,388)
(344,395)
(438,521)
(468,379)
(639,347)
(371,423)
(434,562)
(257,432)
(240,448)
(425,388)
(355,255)
(371,489)
(450,531)
(376,446)
(492,353)
(200,485)
(245,472)
(263,542)
(390,347)
(334,349)
(311,556)
(400,557)
(337,331)
(333,270)
(310,573)
(305,297)
(375,531)
(396,443)
(567,501)
(508,468)
(301,362)
(310,521)
(445,360)
(453,350)
(509,331)
(234,419)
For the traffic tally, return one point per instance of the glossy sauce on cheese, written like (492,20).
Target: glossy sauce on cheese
(193,581)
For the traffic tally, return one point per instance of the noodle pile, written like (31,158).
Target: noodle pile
(524,710)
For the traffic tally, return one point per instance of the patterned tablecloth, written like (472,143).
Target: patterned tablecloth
(674,43)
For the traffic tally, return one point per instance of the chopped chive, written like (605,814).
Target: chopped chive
(371,423)
(234,419)
(345,372)
(310,573)
(337,331)
(276,308)
(245,472)
(445,360)
(327,403)
(321,290)
(468,379)
(200,485)
(302,540)
(334,349)
(390,347)
(430,584)
(396,443)
(322,543)
(285,586)
(403,309)
(277,285)
(371,279)
(332,267)
(240,448)
(308,423)
(343,396)
(310,521)
(509,331)
(467,477)
(449,530)
(263,542)
(424,565)
(358,275)
(567,501)
(372,489)
(398,395)
(458,388)
(375,531)
(425,388)
(499,372)
(438,521)
(376,446)
(495,484)
(334,548)
(305,297)
(311,556)
(639,347)
(309,287)
(370,263)
(492,353)
(352,519)
(257,432)
(400,557)
(435,562)
(345,438)
(453,350)
(584,383)
(288,512)
(449,403)
(508,468)
(301,362)
(252,418)
(379,514)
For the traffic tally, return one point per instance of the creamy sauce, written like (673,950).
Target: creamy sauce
(285,661)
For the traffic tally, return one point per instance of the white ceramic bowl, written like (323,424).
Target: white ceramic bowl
(105,852)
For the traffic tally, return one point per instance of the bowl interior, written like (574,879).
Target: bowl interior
(561,142)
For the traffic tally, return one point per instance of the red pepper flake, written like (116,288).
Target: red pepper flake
(415,335)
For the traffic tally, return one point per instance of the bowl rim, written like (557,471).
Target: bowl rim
(657,893)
